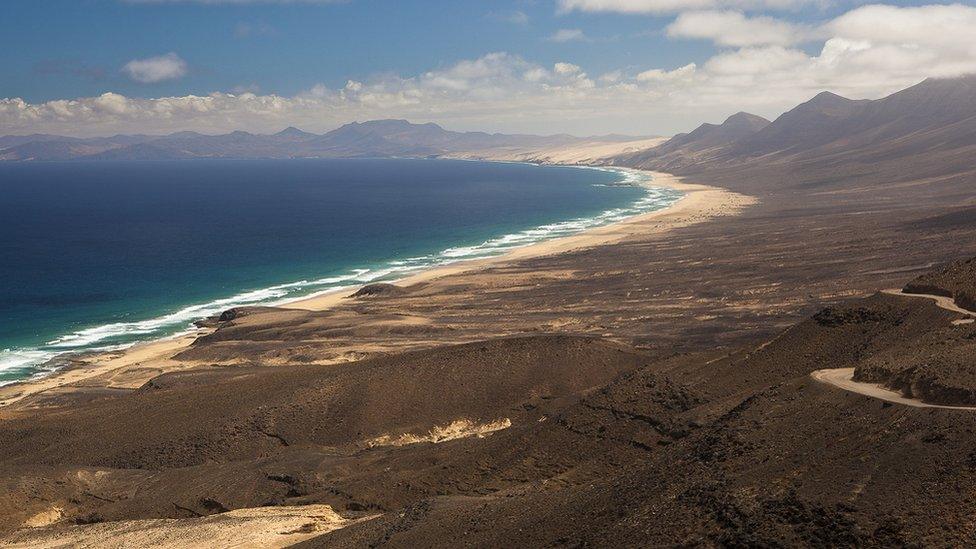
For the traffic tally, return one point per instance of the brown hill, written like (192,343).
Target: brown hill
(956,280)
(707,136)
(927,130)
(601,447)
(701,144)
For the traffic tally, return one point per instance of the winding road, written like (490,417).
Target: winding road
(843,378)
(943,302)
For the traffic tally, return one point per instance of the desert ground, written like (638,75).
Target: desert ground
(654,384)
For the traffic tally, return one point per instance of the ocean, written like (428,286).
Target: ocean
(100,255)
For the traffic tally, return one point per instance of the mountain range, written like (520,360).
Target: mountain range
(927,129)
(377,138)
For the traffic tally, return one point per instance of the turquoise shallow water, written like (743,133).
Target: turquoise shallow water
(102,255)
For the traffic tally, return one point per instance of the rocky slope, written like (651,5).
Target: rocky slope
(925,131)
(564,441)
(701,145)
(956,280)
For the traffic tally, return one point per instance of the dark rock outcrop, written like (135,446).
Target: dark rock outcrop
(956,280)
(379,289)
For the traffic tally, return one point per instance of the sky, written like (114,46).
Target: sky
(586,67)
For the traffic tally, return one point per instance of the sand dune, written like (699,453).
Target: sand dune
(586,152)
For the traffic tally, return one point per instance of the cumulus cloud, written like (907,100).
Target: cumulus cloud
(658,75)
(867,52)
(936,40)
(567,35)
(672,6)
(937,24)
(498,87)
(733,28)
(156,69)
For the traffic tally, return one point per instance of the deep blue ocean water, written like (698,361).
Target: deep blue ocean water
(103,254)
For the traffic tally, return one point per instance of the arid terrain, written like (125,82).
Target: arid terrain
(653,388)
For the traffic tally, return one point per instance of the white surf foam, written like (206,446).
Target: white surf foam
(124,334)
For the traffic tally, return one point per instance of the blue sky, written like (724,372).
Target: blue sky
(287,48)
(428,59)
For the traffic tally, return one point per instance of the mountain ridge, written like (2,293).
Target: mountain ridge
(372,138)
(926,129)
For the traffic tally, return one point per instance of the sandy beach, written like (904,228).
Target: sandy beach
(783,357)
(698,203)
(132,367)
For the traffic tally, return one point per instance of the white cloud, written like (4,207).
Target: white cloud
(156,69)
(937,40)
(567,35)
(945,25)
(673,6)
(865,53)
(111,103)
(733,28)
(566,68)
(753,61)
(658,75)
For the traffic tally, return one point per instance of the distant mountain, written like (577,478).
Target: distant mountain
(294,134)
(707,136)
(139,151)
(820,120)
(925,130)
(8,141)
(54,149)
(376,138)
(385,136)
(41,150)
(702,143)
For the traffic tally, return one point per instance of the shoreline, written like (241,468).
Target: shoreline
(39,360)
(132,366)
(596,236)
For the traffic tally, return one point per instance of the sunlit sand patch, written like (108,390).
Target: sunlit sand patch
(252,527)
(44,518)
(459,428)
(563,322)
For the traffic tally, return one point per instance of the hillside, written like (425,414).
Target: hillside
(925,131)
(705,142)
(740,448)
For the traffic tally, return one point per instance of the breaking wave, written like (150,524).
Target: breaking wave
(19,364)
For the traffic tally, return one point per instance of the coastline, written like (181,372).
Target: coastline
(131,367)
(696,197)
